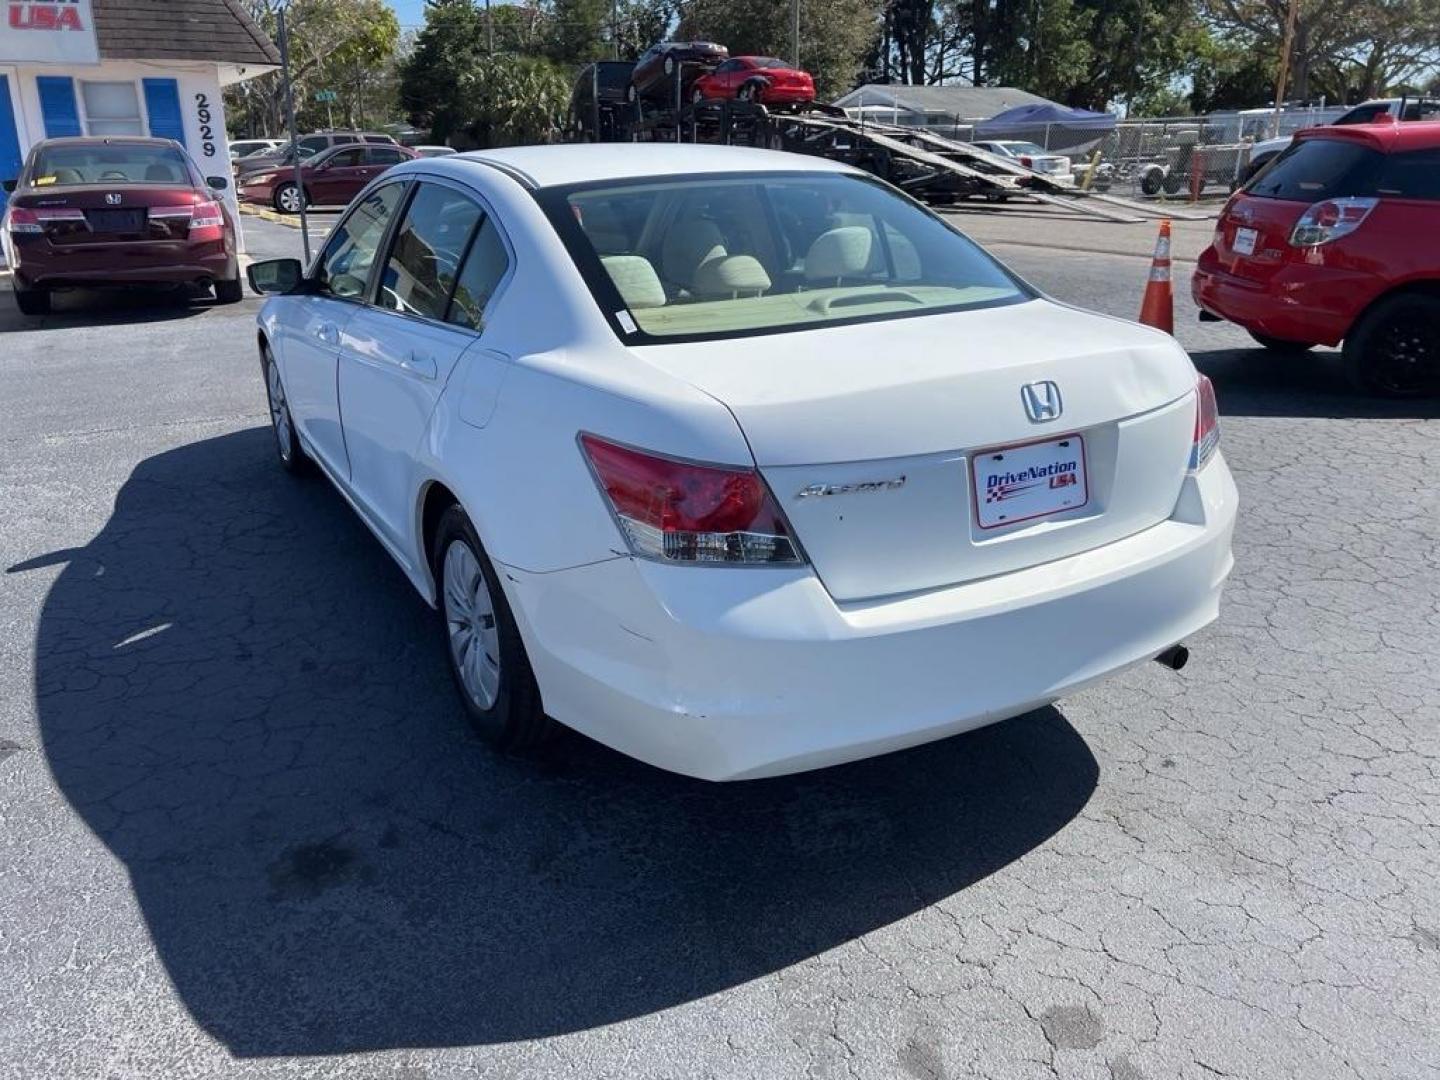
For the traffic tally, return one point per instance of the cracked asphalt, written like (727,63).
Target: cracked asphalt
(243,831)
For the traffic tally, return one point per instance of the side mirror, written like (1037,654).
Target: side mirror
(9,185)
(275,277)
(219,183)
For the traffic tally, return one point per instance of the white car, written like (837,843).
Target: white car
(433,151)
(1056,167)
(245,147)
(740,462)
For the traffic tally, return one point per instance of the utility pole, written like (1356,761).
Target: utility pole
(294,135)
(489,30)
(1285,64)
(615,29)
(795,33)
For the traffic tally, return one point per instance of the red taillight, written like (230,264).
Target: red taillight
(1207,424)
(1026,160)
(24,220)
(679,511)
(1330,220)
(206,221)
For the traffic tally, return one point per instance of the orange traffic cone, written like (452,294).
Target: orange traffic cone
(1158,307)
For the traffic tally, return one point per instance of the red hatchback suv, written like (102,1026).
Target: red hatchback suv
(1336,240)
(88,212)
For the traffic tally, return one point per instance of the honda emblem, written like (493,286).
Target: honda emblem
(114,198)
(1042,401)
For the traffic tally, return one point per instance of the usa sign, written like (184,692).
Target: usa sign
(48,32)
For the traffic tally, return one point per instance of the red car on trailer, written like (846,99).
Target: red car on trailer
(1335,241)
(755,78)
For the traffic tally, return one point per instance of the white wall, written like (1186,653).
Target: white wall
(195,79)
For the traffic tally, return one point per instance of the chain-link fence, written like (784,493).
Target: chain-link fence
(1174,157)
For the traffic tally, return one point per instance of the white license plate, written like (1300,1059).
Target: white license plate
(1244,241)
(1032,480)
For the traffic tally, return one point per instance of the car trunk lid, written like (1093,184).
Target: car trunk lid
(876,438)
(82,215)
(1252,235)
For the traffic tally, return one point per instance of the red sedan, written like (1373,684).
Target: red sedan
(755,78)
(92,212)
(1333,242)
(331,178)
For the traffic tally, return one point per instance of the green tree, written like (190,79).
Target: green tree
(332,42)
(835,35)
(452,84)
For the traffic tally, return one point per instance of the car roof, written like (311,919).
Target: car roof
(577,163)
(1387,136)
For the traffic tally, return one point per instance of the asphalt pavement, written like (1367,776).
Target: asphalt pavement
(244,832)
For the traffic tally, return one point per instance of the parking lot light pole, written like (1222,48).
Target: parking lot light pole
(294,135)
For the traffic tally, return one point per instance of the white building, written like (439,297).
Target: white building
(124,67)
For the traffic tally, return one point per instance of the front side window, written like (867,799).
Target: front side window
(114,163)
(728,256)
(111,108)
(1313,170)
(420,273)
(345,263)
(347,158)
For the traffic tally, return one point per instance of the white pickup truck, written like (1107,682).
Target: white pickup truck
(1403,108)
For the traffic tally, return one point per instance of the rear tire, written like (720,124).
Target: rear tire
(229,292)
(1280,345)
(1394,350)
(482,643)
(288,199)
(1152,181)
(32,301)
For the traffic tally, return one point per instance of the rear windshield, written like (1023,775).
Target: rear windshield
(767,62)
(1317,169)
(115,163)
(729,256)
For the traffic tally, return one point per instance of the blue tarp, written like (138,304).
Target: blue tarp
(1023,120)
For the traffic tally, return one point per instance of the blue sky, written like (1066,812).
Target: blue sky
(409,12)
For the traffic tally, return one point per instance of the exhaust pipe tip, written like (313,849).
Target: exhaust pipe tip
(1174,658)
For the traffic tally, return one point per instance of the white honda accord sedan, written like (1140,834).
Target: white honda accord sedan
(740,462)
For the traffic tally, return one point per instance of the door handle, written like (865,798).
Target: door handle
(424,366)
(327,333)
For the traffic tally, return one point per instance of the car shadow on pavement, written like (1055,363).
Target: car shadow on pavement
(1258,382)
(245,700)
(106,307)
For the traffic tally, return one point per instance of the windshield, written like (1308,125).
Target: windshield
(1026,148)
(767,62)
(727,256)
(110,163)
(1313,170)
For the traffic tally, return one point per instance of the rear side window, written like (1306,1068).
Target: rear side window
(1318,169)
(378,139)
(1411,175)
(426,254)
(485,265)
(385,155)
(346,158)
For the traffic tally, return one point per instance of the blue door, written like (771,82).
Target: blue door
(10,156)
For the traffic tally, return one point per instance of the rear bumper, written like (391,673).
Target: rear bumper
(736,674)
(1314,304)
(172,263)
(787,95)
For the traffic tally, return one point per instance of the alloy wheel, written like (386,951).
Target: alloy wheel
(289,199)
(470,624)
(1406,358)
(279,411)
